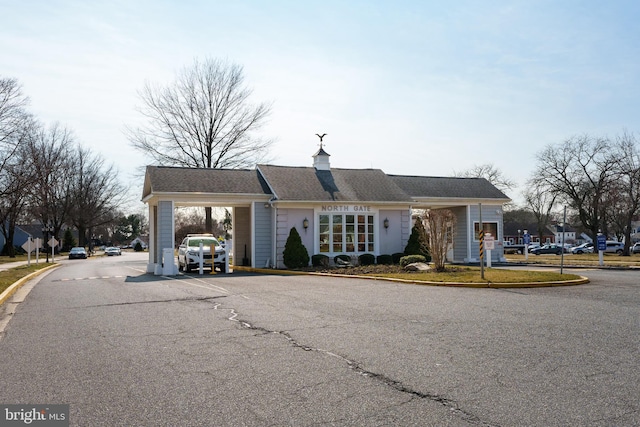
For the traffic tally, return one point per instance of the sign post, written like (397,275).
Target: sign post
(53,243)
(527,240)
(27,247)
(489,245)
(481,238)
(602,246)
(38,246)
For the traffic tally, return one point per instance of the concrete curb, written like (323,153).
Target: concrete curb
(581,281)
(17,285)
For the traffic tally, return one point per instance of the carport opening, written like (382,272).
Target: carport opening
(230,225)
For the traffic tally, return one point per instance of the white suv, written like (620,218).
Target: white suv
(614,247)
(189,253)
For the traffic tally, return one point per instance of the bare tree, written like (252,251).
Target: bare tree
(490,173)
(49,155)
(623,200)
(95,193)
(15,179)
(580,172)
(203,120)
(13,119)
(438,229)
(541,202)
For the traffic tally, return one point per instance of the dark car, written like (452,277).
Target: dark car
(77,253)
(547,249)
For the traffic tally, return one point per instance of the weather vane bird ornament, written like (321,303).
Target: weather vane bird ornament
(321,136)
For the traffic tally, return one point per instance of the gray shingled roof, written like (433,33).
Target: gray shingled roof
(436,187)
(308,184)
(346,185)
(164,179)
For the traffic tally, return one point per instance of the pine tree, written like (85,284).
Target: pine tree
(68,241)
(295,254)
(417,241)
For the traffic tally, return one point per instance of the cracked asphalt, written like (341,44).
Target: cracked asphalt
(124,348)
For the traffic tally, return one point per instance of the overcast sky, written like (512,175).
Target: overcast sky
(409,87)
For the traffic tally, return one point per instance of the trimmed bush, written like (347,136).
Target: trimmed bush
(367,259)
(410,259)
(384,259)
(295,254)
(343,257)
(138,247)
(417,244)
(396,257)
(320,260)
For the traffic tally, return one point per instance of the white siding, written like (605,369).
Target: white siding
(166,235)
(263,235)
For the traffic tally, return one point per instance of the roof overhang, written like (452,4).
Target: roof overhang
(206,199)
(451,202)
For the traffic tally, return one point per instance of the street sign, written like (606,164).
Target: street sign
(527,238)
(602,242)
(489,242)
(29,245)
(35,244)
(52,242)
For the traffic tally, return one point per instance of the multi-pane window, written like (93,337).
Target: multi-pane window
(345,233)
(489,227)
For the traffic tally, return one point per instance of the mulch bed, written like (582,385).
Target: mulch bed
(370,269)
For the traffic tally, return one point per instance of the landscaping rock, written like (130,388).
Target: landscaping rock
(418,266)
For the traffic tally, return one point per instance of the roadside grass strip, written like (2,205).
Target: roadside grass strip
(11,280)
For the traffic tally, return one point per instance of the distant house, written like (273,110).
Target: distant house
(143,240)
(565,232)
(514,234)
(19,238)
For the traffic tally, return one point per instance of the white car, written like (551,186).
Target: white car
(533,246)
(614,247)
(189,253)
(112,250)
(585,248)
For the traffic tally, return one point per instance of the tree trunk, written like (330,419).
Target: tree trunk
(9,250)
(208,220)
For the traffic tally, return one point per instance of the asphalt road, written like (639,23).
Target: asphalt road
(128,349)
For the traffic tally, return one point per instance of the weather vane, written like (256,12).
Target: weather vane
(321,136)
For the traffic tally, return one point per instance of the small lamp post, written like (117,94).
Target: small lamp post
(46,229)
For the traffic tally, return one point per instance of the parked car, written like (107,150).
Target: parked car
(547,249)
(635,249)
(77,253)
(614,247)
(112,250)
(189,253)
(585,248)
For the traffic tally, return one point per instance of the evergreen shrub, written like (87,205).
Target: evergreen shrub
(367,259)
(320,260)
(410,259)
(417,244)
(384,259)
(396,257)
(295,253)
